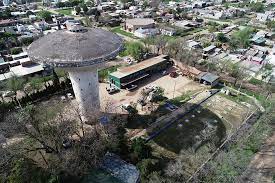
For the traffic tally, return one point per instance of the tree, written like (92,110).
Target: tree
(270,24)
(242,37)
(5,14)
(15,84)
(136,50)
(140,149)
(46,15)
(237,71)
(77,9)
(85,8)
(148,41)
(65,144)
(161,43)
(173,47)
(146,167)
(222,38)
(257,7)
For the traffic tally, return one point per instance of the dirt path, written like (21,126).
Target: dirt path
(262,167)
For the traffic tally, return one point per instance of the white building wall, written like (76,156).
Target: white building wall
(86,89)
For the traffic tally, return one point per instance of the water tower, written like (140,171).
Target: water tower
(80,51)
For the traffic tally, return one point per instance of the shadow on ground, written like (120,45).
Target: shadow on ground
(192,131)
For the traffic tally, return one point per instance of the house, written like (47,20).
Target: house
(131,25)
(209,49)
(143,33)
(193,44)
(168,31)
(208,78)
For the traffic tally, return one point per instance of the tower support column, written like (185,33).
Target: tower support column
(86,89)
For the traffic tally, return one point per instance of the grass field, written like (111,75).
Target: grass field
(190,131)
(65,11)
(122,32)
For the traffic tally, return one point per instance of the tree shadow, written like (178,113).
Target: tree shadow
(192,131)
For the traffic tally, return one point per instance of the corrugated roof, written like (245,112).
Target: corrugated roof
(125,71)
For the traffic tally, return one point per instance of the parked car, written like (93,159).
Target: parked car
(112,90)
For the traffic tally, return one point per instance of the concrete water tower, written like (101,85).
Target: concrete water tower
(80,51)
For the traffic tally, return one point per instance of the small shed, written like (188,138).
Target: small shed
(208,78)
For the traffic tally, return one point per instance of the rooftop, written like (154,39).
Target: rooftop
(125,71)
(209,77)
(63,48)
(21,71)
(140,21)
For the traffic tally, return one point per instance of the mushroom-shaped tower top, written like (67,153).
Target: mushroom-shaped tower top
(86,47)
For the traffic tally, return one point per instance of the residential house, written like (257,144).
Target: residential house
(143,33)
(168,31)
(132,25)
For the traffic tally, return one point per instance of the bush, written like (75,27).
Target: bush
(146,167)
(16,50)
(140,149)
(26,41)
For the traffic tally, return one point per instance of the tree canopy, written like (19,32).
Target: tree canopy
(45,15)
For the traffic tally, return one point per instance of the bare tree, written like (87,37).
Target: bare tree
(64,143)
(237,71)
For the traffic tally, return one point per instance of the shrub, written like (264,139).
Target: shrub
(140,148)
(16,50)
(146,167)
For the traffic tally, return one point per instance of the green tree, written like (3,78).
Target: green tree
(257,7)
(46,15)
(146,167)
(222,38)
(77,9)
(15,84)
(140,148)
(270,24)
(237,71)
(242,37)
(16,50)
(136,50)
(84,8)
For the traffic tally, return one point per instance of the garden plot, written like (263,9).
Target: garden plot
(200,132)
(232,113)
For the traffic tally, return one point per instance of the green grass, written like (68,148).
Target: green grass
(65,11)
(122,32)
(236,98)
(180,100)
(103,74)
(255,81)
(237,157)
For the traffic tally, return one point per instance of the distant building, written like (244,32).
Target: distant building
(143,33)
(132,25)
(168,31)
